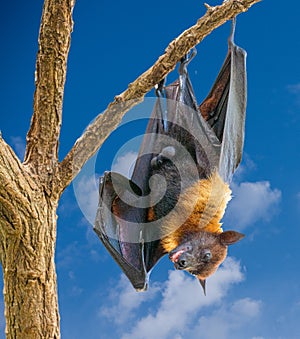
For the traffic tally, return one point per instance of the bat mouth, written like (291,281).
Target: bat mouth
(174,256)
(177,253)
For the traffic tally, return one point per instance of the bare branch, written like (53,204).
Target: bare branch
(104,124)
(54,42)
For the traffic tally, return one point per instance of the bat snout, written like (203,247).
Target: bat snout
(182,258)
(179,252)
(185,261)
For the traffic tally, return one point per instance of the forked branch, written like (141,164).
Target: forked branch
(51,67)
(98,131)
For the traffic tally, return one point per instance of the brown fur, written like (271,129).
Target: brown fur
(209,198)
(210,103)
(191,231)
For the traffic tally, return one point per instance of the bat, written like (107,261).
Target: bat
(178,192)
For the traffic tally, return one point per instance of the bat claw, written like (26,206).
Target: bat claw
(166,153)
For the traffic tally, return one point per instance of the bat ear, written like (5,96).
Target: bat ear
(203,283)
(230,237)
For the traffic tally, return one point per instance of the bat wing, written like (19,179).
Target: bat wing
(112,225)
(234,125)
(203,139)
(225,108)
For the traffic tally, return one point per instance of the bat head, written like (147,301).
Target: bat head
(202,253)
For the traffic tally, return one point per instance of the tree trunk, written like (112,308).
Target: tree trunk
(28,235)
(30,191)
(30,291)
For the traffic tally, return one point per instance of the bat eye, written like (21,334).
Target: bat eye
(207,256)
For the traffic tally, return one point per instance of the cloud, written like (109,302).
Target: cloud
(87,196)
(126,302)
(179,307)
(247,165)
(124,164)
(182,301)
(252,202)
(229,321)
(85,184)
(68,254)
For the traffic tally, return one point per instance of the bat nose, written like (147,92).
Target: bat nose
(182,262)
(180,265)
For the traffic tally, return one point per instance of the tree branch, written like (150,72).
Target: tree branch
(99,130)
(54,42)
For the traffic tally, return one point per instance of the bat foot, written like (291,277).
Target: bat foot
(166,154)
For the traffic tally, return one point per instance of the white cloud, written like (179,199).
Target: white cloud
(252,201)
(85,184)
(182,299)
(87,196)
(182,302)
(125,302)
(124,164)
(67,255)
(247,165)
(226,321)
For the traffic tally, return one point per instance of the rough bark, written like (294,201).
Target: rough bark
(50,75)
(30,191)
(28,235)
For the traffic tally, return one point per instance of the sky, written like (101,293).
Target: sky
(256,292)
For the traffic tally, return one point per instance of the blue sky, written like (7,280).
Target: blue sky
(256,293)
